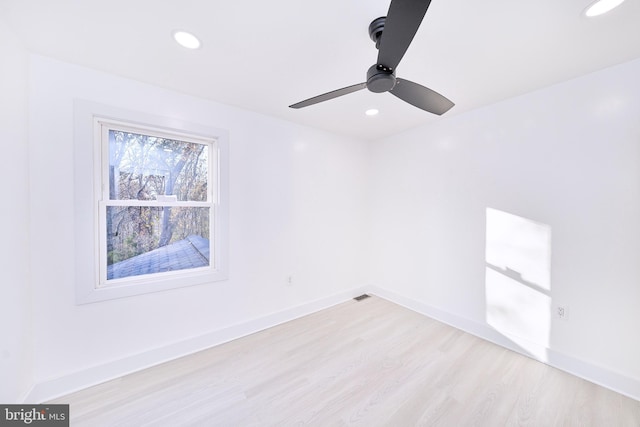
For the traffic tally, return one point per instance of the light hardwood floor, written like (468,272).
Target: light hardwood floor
(368,363)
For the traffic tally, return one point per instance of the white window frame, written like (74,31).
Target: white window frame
(92,122)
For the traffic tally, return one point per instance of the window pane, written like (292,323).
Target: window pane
(143,167)
(146,240)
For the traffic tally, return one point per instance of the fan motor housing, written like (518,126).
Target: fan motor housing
(380,78)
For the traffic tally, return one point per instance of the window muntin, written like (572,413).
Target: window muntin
(156,211)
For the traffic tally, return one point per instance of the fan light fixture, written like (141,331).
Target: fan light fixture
(186,39)
(601,7)
(392,35)
(372,112)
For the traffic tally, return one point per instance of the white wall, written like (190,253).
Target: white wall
(566,157)
(297,199)
(15,313)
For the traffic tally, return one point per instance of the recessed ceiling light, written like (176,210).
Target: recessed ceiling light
(186,39)
(600,7)
(372,112)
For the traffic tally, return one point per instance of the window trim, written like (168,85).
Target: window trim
(89,195)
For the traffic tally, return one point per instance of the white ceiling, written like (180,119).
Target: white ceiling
(264,56)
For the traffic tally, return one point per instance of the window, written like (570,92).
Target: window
(159,205)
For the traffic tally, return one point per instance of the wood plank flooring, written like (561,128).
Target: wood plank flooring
(367,363)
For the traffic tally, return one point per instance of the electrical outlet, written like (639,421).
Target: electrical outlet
(289,281)
(561,312)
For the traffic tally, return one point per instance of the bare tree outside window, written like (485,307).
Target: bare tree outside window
(153,221)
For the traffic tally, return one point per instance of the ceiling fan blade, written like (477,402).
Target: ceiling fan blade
(421,97)
(329,95)
(402,22)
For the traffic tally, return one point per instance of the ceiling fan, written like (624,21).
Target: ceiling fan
(393,35)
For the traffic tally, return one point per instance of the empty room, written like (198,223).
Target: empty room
(375,213)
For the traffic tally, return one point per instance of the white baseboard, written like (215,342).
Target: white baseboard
(596,374)
(51,389)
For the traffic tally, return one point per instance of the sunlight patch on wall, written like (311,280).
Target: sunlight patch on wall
(518,280)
